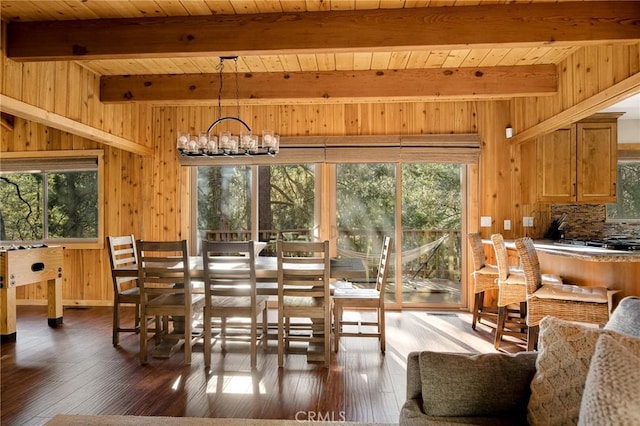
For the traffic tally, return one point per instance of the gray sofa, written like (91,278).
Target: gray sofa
(483,389)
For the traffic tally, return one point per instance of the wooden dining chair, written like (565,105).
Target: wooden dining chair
(122,252)
(363,298)
(230,296)
(165,291)
(485,278)
(565,301)
(304,293)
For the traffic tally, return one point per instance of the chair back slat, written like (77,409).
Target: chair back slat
(161,270)
(301,271)
(122,252)
(229,268)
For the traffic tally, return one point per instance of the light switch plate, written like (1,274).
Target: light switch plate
(507,225)
(485,221)
(527,222)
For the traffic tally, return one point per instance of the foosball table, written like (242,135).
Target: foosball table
(29,265)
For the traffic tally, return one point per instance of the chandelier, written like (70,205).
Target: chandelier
(208,144)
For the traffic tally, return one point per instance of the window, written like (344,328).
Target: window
(286,203)
(282,204)
(365,214)
(224,199)
(54,198)
(351,190)
(628,205)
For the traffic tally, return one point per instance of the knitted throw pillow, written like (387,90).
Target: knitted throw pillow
(565,351)
(612,391)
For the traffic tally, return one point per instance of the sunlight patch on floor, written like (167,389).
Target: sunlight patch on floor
(176,384)
(235,385)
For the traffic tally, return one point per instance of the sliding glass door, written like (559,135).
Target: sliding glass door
(427,254)
(365,213)
(418,204)
(432,212)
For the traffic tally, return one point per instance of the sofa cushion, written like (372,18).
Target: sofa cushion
(565,351)
(577,293)
(458,384)
(612,390)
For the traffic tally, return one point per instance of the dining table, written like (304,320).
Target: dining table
(341,268)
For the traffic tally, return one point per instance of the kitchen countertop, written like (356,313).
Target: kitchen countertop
(591,254)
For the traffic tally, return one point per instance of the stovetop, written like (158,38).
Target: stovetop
(612,243)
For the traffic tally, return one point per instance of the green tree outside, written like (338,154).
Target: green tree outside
(72,206)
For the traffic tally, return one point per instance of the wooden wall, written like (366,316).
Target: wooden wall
(586,73)
(148,196)
(67,89)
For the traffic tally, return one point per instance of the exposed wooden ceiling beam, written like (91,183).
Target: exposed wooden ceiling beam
(622,90)
(336,86)
(29,112)
(538,24)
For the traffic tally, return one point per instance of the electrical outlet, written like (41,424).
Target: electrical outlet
(527,222)
(485,221)
(507,225)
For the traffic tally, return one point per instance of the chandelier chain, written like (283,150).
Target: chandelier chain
(220,68)
(235,60)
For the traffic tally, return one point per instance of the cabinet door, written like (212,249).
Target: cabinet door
(597,162)
(557,166)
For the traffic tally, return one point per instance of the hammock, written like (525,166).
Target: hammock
(407,255)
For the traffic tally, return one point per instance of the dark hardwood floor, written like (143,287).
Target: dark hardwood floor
(74,369)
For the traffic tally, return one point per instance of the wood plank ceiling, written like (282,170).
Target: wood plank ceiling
(316,50)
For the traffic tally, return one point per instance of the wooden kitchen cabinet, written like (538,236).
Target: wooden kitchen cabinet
(579,164)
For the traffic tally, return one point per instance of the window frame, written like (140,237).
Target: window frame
(70,243)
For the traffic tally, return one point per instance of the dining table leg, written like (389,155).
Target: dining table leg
(166,348)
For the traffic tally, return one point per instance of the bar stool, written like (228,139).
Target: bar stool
(484,278)
(512,290)
(588,304)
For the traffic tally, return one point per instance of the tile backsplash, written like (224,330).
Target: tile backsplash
(588,221)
